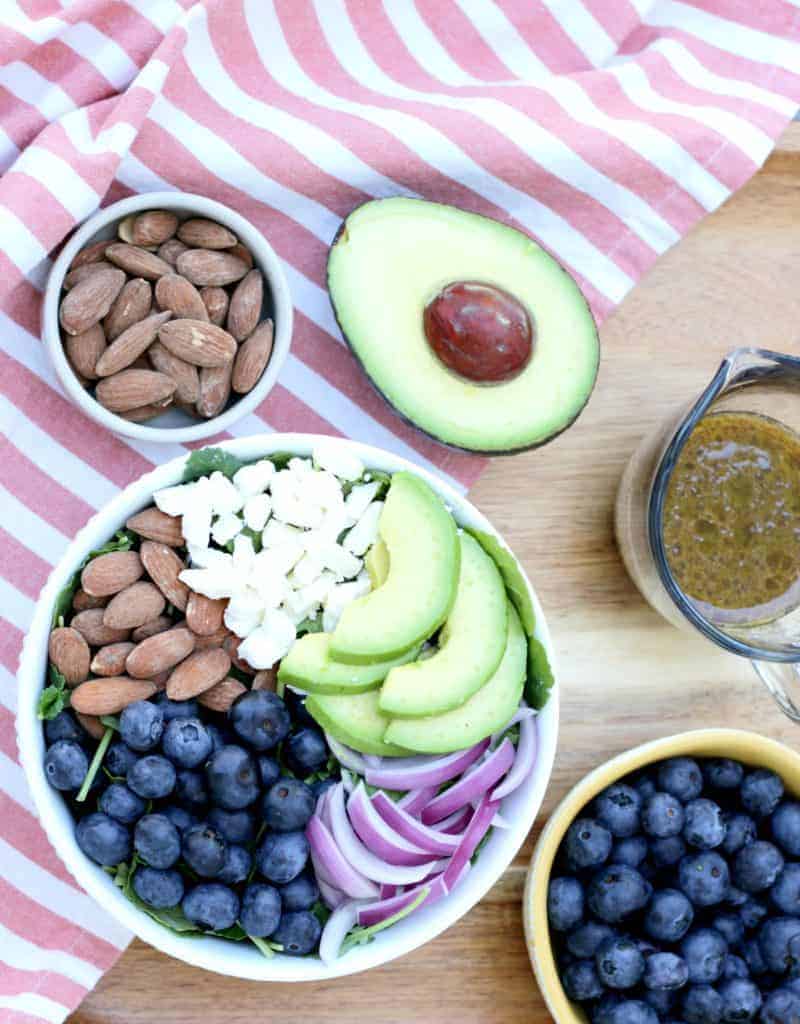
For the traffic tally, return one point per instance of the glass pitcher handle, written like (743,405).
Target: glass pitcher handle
(782,679)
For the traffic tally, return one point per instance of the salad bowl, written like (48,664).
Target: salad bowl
(519,808)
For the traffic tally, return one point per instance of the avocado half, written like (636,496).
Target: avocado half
(390,257)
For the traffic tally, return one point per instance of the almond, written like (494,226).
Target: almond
(215,389)
(242,253)
(176,293)
(186,376)
(204,615)
(164,567)
(171,250)
(83,272)
(216,302)
(130,306)
(222,695)
(199,672)
(159,624)
(130,389)
(198,342)
(200,233)
(136,261)
(153,524)
(81,601)
(204,267)
(160,680)
(160,652)
(93,253)
(108,574)
(90,300)
(231,647)
(143,413)
(110,695)
(139,603)
(84,350)
(252,358)
(90,625)
(266,679)
(70,654)
(153,227)
(130,344)
(216,639)
(245,308)
(110,660)
(92,725)
(125,228)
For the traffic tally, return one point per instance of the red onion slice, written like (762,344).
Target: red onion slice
(476,783)
(345,755)
(374,913)
(478,827)
(379,837)
(406,773)
(387,891)
(415,799)
(329,895)
(455,823)
(336,928)
(412,829)
(332,866)
(522,712)
(523,761)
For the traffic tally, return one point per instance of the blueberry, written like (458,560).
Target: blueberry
(665,971)
(740,831)
(296,703)
(187,742)
(66,765)
(741,1000)
(203,850)
(617,891)
(211,906)
(618,808)
(157,841)
(268,769)
(667,852)
(102,839)
(564,903)
(306,751)
(588,844)
(736,898)
(752,912)
(661,999)
(601,1010)
(190,788)
(669,916)
(236,868)
(734,967)
(785,893)
(751,953)
(298,932)
(121,803)
(631,1011)
(779,941)
(175,708)
(261,910)
(631,851)
(179,816)
(584,939)
(218,737)
(662,816)
(156,888)
(704,826)
(730,927)
(681,777)
(702,1004)
(141,725)
(704,951)
(260,718)
(644,786)
(120,759)
(288,805)
(786,827)
(282,856)
(301,893)
(619,963)
(235,826)
(722,773)
(761,792)
(581,982)
(757,866)
(782,1006)
(232,778)
(704,877)
(152,777)
(64,727)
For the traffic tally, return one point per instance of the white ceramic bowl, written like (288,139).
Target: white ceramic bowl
(238,959)
(174,425)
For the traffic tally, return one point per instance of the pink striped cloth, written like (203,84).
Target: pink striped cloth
(605,128)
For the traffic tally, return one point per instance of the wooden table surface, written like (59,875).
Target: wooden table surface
(626,676)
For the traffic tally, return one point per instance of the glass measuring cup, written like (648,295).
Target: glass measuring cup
(748,380)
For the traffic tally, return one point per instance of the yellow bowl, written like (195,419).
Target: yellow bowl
(748,747)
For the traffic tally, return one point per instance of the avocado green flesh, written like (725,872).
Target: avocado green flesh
(309,667)
(484,713)
(515,582)
(377,563)
(393,256)
(355,720)
(471,644)
(418,593)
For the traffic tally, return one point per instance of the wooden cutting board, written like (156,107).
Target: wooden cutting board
(626,676)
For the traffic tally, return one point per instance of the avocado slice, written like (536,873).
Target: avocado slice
(471,644)
(484,713)
(355,720)
(418,593)
(392,256)
(377,563)
(308,667)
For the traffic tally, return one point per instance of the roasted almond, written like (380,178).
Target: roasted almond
(84,271)
(200,233)
(130,344)
(199,672)
(93,253)
(110,695)
(90,300)
(266,679)
(81,601)
(153,227)
(160,652)
(131,389)
(159,624)
(231,647)
(90,625)
(215,389)
(205,267)
(136,261)
(216,302)
(185,375)
(110,660)
(215,639)
(92,725)
(203,614)
(244,311)
(130,306)
(108,574)
(171,250)
(70,654)
(84,350)
(164,567)
(176,293)
(242,253)
(222,695)
(198,342)
(139,603)
(153,524)
(125,228)
(252,358)
(143,413)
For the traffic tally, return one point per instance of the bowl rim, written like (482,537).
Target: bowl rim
(212,953)
(741,744)
(265,259)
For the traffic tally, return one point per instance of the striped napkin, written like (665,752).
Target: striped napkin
(605,128)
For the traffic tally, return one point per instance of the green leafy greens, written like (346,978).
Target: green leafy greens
(206,461)
(360,936)
(53,698)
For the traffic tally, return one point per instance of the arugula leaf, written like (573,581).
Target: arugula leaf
(331,767)
(310,625)
(53,698)
(94,767)
(205,461)
(360,936)
(321,912)
(269,949)
(540,676)
(64,600)
(110,722)
(123,540)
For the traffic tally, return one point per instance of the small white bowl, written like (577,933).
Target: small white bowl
(214,954)
(174,426)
